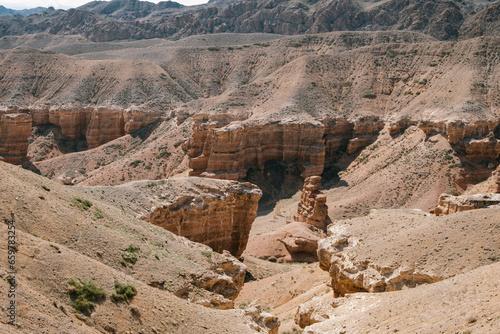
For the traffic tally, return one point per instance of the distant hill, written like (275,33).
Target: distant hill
(102,21)
(7,11)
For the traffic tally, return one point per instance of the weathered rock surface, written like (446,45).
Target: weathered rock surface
(449,204)
(97,125)
(229,151)
(392,249)
(496,174)
(265,322)
(224,280)
(312,208)
(217,213)
(314,311)
(294,242)
(15,128)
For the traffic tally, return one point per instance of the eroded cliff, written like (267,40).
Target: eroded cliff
(15,128)
(217,213)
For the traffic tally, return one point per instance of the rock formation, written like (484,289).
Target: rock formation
(443,20)
(314,311)
(223,281)
(449,204)
(217,213)
(229,151)
(97,125)
(294,242)
(496,174)
(312,208)
(265,322)
(15,128)
(394,249)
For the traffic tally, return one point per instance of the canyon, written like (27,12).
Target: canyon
(277,167)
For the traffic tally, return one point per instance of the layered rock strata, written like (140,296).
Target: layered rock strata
(97,126)
(312,208)
(449,204)
(213,212)
(15,129)
(228,149)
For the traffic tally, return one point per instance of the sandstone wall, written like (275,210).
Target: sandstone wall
(95,125)
(213,212)
(15,128)
(227,152)
(312,208)
(226,149)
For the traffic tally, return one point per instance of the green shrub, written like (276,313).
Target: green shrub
(130,254)
(369,96)
(98,214)
(81,203)
(124,292)
(84,294)
(135,163)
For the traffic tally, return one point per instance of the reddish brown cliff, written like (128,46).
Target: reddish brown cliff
(228,151)
(15,128)
(216,213)
(96,125)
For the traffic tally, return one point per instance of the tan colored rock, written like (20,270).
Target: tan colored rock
(97,125)
(216,213)
(312,208)
(219,286)
(496,174)
(391,250)
(449,204)
(15,129)
(264,321)
(313,311)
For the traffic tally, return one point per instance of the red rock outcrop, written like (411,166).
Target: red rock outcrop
(97,125)
(15,129)
(213,212)
(449,204)
(312,208)
(227,152)
(227,149)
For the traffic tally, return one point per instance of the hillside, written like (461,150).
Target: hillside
(133,19)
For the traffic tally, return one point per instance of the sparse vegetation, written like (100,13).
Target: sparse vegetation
(84,295)
(369,96)
(124,292)
(98,214)
(82,204)
(207,254)
(135,163)
(130,254)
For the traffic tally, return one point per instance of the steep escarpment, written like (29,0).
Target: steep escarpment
(15,128)
(217,213)
(230,151)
